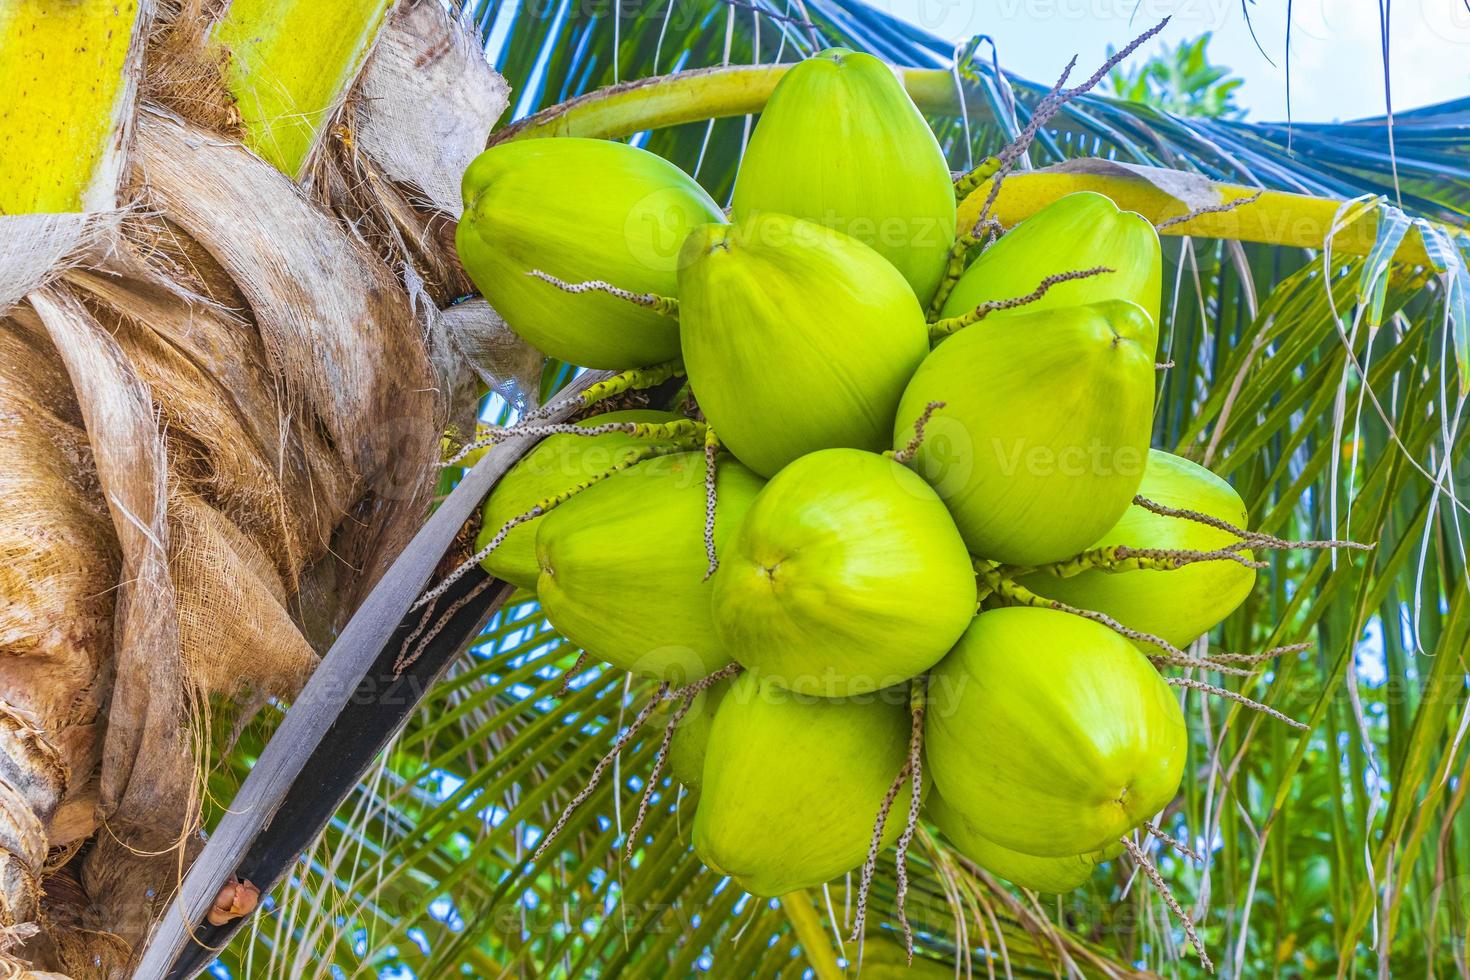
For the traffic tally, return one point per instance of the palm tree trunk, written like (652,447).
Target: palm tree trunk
(219,414)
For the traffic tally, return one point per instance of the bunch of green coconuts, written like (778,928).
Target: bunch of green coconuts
(901,495)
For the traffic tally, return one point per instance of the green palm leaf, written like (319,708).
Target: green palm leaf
(1324,387)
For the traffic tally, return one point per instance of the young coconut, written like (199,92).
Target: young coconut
(691,738)
(795,337)
(1179,605)
(557,463)
(1080,231)
(1051,734)
(841,143)
(847,575)
(639,533)
(1052,875)
(579,209)
(1043,437)
(792,784)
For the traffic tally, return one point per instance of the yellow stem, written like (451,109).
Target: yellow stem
(801,912)
(289,64)
(694,96)
(1277,218)
(66,93)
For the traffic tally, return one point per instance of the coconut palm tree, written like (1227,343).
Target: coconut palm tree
(232,352)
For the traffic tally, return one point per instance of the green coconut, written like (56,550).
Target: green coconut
(1043,437)
(792,785)
(796,338)
(1052,875)
(1180,605)
(1080,231)
(841,143)
(556,464)
(847,575)
(579,209)
(1050,733)
(623,565)
(691,738)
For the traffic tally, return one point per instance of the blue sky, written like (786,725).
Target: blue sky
(1336,60)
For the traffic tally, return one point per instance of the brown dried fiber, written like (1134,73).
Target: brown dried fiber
(219,423)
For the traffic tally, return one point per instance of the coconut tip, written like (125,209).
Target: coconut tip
(1125,320)
(837,56)
(704,240)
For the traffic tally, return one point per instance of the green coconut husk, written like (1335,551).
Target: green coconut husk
(841,143)
(796,338)
(1179,605)
(1052,875)
(1043,435)
(688,747)
(639,533)
(527,208)
(558,463)
(1051,734)
(847,575)
(1080,231)
(791,784)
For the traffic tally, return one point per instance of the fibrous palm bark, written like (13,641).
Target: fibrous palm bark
(223,376)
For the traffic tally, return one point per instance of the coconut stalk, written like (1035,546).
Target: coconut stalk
(1159,194)
(82,56)
(220,403)
(362,676)
(810,931)
(288,66)
(694,96)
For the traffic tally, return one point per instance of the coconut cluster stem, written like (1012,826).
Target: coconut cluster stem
(1124,558)
(1229,695)
(918,701)
(1202,663)
(954,265)
(551,503)
(406,659)
(686,695)
(954,268)
(1198,212)
(969,182)
(634,379)
(1045,110)
(1248,539)
(948,325)
(572,671)
(679,429)
(621,743)
(711,499)
(666,305)
(1223,663)
(1255,658)
(912,772)
(1174,842)
(1159,883)
(907,453)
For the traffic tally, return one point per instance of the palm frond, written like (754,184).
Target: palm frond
(1324,387)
